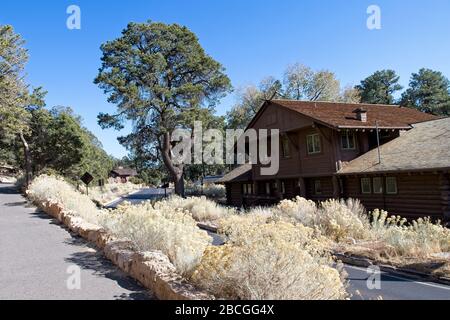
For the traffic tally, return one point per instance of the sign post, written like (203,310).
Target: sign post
(87,179)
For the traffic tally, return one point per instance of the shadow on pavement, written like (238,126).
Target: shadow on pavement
(8,189)
(16,204)
(90,259)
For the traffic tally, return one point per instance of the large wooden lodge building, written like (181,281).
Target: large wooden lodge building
(330,150)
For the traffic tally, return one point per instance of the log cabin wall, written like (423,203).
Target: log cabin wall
(235,198)
(444,179)
(326,189)
(418,195)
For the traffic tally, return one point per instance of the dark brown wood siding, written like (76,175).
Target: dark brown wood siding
(418,195)
(234,194)
(300,162)
(326,185)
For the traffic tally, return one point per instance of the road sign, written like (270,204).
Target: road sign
(87,178)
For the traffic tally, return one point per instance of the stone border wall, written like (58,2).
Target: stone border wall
(152,269)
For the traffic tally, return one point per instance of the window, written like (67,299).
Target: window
(378,185)
(317,187)
(366,187)
(285,147)
(348,140)
(391,185)
(314,145)
(248,189)
(268,188)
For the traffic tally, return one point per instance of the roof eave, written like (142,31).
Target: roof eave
(375,127)
(358,173)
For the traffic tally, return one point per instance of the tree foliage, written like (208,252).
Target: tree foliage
(250,100)
(299,83)
(428,92)
(303,83)
(155,73)
(380,87)
(33,137)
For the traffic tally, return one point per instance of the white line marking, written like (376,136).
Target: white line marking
(403,278)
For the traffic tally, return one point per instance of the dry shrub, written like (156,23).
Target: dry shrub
(421,238)
(341,220)
(338,220)
(201,209)
(266,259)
(56,190)
(171,231)
(215,191)
(300,209)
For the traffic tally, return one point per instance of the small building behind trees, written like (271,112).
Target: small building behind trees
(122,175)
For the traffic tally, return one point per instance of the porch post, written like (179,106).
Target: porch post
(302,185)
(336,188)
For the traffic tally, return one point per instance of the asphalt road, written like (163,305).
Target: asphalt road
(140,196)
(36,254)
(392,286)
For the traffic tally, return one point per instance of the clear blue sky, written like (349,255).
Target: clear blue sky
(251,38)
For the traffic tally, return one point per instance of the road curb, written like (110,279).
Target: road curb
(359,261)
(208,228)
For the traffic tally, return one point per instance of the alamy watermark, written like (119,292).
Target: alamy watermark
(237,147)
(73,282)
(374,19)
(374,279)
(73,22)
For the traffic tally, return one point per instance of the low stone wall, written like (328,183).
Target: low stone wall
(152,269)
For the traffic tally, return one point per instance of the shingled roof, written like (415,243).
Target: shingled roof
(343,116)
(240,174)
(425,147)
(125,172)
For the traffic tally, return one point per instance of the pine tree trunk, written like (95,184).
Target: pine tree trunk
(26,150)
(179,186)
(175,171)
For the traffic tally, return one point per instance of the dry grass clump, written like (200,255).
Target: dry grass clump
(56,190)
(172,231)
(420,238)
(111,191)
(269,259)
(214,191)
(200,208)
(336,219)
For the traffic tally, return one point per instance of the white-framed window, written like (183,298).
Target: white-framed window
(248,189)
(268,189)
(285,147)
(348,140)
(317,187)
(366,186)
(391,185)
(378,185)
(313,143)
